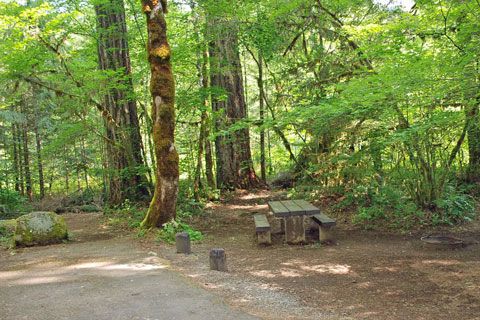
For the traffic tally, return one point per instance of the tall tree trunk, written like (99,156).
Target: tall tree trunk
(26,164)
(67,171)
(85,162)
(473,134)
(202,71)
(262,111)
(234,160)
(16,165)
(20,160)
(209,161)
(125,181)
(39,160)
(162,88)
(208,147)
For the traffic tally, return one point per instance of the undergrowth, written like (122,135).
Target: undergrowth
(389,206)
(130,215)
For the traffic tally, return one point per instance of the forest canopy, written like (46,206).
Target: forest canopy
(373,106)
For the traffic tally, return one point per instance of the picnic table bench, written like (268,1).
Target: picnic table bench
(294,213)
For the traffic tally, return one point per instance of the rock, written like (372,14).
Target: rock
(40,228)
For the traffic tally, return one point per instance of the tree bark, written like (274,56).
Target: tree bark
(126,179)
(262,111)
(234,160)
(20,160)
(473,134)
(39,160)
(26,164)
(16,165)
(85,162)
(202,71)
(162,88)
(67,171)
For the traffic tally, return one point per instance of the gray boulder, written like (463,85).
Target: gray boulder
(40,228)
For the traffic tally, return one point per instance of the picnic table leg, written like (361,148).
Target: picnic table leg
(326,234)
(282,225)
(295,229)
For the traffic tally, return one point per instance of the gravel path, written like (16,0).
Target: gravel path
(100,276)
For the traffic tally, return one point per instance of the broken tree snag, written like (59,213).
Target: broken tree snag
(162,87)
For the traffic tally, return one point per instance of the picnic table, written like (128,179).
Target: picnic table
(296,214)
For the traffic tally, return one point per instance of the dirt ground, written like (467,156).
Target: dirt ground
(101,274)
(366,274)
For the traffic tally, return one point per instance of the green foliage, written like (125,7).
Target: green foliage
(12,204)
(391,206)
(128,215)
(455,207)
(170,229)
(186,208)
(7,232)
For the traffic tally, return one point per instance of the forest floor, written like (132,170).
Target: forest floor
(366,274)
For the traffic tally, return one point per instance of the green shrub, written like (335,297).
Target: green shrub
(455,207)
(129,214)
(12,204)
(390,204)
(170,229)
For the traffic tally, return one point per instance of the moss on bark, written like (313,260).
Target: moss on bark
(162,87)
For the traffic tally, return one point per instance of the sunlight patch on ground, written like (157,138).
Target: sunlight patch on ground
(290,273)
(328,268)
(263,274)
(89,265)
(38,280)
(442,262)
(41,274)
(250,196)
(320,268)
(139,266)
(365,284)
(389,269)
(5,275)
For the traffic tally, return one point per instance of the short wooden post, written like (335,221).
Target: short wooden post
(182,241)
(294,229)
(218,260)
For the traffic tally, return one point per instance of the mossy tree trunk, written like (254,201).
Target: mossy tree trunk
(126,179)
(234,160)
(162,88)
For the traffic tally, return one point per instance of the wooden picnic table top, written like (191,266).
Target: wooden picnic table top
(286,208)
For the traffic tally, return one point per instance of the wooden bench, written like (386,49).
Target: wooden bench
(325,223)
(263,229)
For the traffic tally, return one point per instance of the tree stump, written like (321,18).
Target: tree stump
(182,241)
(218,260)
